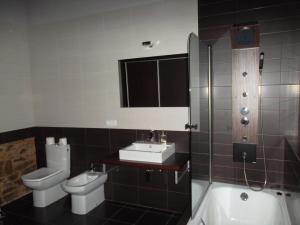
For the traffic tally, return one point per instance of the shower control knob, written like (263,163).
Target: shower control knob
(245,94)
(244,74)
(245,120)
(245,111)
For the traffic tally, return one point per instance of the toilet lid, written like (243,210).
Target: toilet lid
(41,174)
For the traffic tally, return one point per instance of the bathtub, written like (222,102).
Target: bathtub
(222,205)
(199,187)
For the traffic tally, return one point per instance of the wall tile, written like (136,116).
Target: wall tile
(178,201)
(121,137)
(216,8)
(181,140)
(128,194)
(290,77)
(75,136)
(97,137)
(125,175)
(153,198)
(270,91)
(182,187)
(94,153)
(270,78)
(153,179)
(79,156)
(55,132)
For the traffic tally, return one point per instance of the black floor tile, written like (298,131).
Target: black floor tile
(63,204)
(66,218)
(168,213)
(89,220)
(26,221)
(128,215)
(27,198)
(174,220)
(105,210)
(112,222)
(137,207)
(16,206)
(151,218)
(9,220)
(42,215)
(22,212)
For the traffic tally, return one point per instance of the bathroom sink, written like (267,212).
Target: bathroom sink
(148,146)
(147,152)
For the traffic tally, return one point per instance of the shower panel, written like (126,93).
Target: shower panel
(245,82)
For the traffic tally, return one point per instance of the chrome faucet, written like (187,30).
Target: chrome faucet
(92,168)
(152,136)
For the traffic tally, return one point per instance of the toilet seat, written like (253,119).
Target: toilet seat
(41,174)
(44,178)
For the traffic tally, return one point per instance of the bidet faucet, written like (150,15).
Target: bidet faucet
(92,168)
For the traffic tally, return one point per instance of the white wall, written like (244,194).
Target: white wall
(75,48)
(16,104)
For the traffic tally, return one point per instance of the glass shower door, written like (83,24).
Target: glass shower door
(200,126)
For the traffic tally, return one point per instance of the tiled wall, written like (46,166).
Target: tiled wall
(16,99)
(125,184)
(279,27)
(75,48)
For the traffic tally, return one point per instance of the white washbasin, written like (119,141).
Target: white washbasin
(147,147)
(147,152)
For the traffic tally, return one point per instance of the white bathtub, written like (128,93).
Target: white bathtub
(199,187)
(223,205)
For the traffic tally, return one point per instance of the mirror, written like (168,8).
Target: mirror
(160,81)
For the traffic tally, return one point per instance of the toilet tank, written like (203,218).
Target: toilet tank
(58,157)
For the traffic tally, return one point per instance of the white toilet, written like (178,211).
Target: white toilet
(87,191)
(46,181)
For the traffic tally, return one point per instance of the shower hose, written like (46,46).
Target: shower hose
(263,145)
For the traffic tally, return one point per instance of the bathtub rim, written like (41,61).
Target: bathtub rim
(196,220)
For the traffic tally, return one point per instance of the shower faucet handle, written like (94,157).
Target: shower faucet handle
(245,121)
(244,111)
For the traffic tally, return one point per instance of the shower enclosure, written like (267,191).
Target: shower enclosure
(278,119)
(200,118)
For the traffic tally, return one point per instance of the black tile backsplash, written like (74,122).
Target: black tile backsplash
(75,136)
(15,135)
(97,137)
